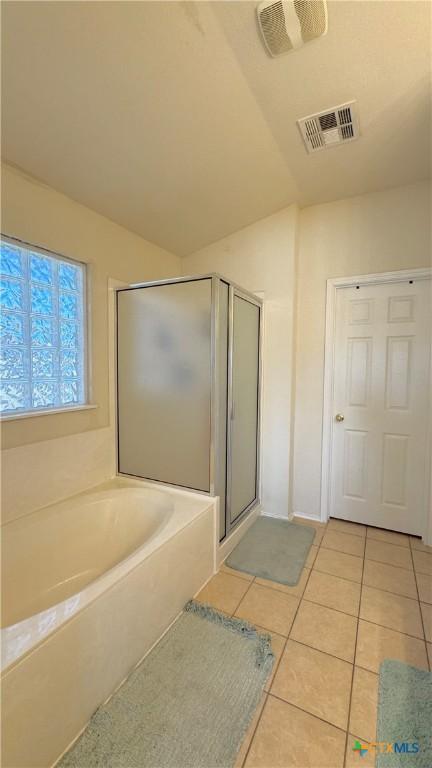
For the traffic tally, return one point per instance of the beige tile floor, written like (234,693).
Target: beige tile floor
(364,595)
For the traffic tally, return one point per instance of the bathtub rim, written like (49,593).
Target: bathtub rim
(95,589)
(166,516)
(150,484)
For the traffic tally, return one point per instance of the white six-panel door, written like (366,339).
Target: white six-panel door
(381,405)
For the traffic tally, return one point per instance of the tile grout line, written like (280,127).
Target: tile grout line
(312,567)
(321,544)
(264,693)
(338,530)
(242,598)
(338,610)
(318,650)
(325,606)
(373,559)
(391,565)
(346,732)
(332,531)
(428,660)
(267,693)
(395,594)
(354,660)
(332,655)
(327,573)
(301,598)
(330,607)
(296,706)
(233,574)
(341,551)
(238,578)
(392,543)
(384,626)
(278,585)
(389,591)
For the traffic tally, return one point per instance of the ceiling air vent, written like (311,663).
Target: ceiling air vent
(327,129)
(289,24)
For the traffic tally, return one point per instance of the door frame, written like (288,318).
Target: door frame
(333,285)
(234,291)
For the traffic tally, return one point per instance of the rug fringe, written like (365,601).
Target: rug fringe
(243,628)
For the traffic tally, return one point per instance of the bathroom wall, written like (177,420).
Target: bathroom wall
(288,257)
(377,232)
(289,254)
(261,258)
(48,457)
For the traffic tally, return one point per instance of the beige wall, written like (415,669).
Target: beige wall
(377,232)
(36,213)
(261,258)
(48,457)
(372,233)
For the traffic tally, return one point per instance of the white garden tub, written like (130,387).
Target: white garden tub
(89,585)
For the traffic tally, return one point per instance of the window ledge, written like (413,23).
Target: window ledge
(45,412)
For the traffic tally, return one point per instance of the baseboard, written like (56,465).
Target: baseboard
(276,517)
(305,516)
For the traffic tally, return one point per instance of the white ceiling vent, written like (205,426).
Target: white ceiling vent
(327,129)
(289,24)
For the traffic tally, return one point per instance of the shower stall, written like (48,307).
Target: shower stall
(188,388)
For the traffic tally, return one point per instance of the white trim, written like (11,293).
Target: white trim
(333,284)
(427,538)
(261,295)
(46,412)
(305,516)
(16,241)
(399,276)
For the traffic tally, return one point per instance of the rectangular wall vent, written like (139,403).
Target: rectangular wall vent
(329,128)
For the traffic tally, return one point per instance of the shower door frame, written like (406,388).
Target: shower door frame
(214,453)
(234,291)
(151,284)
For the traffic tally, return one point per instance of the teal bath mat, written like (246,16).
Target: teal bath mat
(404,716)
(188,704)
(273,549)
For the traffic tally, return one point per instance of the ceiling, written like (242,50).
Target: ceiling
(171,119)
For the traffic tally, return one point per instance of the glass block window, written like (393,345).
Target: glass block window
(42,330)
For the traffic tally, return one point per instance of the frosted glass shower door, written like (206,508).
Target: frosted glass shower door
(244,417)
(164,382)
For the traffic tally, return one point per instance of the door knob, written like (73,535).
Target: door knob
(340,417)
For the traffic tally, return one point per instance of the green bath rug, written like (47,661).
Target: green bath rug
(187,705)
(404,716)
(273,549)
